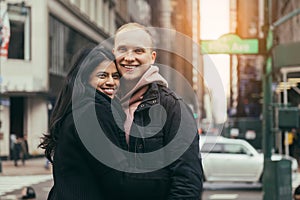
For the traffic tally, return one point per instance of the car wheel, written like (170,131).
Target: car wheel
(261,178)
(204,178)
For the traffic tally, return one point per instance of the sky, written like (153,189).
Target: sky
(214,22)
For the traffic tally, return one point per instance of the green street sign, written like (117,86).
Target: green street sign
(270,40)
(230,44)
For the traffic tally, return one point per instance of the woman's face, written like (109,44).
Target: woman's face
(105,78)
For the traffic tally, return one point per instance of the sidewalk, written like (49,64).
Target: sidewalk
(33,166)
(33,173)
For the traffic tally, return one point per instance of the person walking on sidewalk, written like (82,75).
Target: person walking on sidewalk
(72,144)
(17,149)
(24,149)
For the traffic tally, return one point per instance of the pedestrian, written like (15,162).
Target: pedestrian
(47,164)
(72,145)
(24,149)
(13,140)
(157,121)
(297,193)
(17,148)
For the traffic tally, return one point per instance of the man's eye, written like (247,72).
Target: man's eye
(122,49)
(139,50)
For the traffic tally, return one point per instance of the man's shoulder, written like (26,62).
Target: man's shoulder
(167,92)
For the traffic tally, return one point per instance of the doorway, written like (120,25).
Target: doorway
(16,117)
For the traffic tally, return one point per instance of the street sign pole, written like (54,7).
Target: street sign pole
(267,109)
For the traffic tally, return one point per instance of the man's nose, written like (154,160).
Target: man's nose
(129,56)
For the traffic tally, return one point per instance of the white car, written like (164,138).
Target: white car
(234,160)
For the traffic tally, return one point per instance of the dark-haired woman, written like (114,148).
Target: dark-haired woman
(83,118)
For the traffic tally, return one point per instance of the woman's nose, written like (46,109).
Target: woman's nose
(110,81)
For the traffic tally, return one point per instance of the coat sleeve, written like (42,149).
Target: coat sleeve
(99,134)
(186,171)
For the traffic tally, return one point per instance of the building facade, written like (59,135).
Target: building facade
(44,35)
(178,47)
(285,23)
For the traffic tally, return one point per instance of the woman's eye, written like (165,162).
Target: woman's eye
(116,76)
(101,75)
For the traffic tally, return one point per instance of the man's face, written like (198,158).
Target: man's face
(133,52)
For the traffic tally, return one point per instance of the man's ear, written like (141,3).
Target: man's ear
(153,56)
(113,50)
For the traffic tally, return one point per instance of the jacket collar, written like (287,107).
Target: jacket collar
(151,75)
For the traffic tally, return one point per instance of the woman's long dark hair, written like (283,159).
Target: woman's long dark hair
(83,65)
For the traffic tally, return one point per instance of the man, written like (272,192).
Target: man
(156,118)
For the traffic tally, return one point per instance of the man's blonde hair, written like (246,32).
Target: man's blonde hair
(132,26)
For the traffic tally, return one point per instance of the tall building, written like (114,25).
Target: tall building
(286,45)
(246,70)
(178,47)
(35,56)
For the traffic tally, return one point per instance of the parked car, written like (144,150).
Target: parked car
(234,160)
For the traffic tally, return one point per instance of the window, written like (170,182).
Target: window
(64,43)
(19,20)
(235,149)
(211,148)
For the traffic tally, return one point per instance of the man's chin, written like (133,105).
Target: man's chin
(129,77)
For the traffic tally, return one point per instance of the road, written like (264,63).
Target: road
(232,191)
(12,180)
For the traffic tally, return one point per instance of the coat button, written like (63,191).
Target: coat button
(154,101)
(142,105)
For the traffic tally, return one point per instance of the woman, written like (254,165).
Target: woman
(73,144)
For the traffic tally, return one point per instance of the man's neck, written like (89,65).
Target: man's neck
(127,86)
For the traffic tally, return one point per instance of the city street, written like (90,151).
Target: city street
(237,191)
(13,179)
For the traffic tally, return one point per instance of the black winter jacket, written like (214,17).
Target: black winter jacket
(163,122)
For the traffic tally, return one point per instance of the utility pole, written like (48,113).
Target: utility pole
(267,108)
(267,91)
(277,181)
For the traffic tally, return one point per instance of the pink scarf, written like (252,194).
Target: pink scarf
(134,97)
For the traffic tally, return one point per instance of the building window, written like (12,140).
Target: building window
(19,43)
(64,43)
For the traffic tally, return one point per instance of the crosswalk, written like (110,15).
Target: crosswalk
(11,183)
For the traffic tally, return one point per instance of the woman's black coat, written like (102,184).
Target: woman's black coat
(78,175)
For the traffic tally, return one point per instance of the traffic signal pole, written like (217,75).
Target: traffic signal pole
(267,107)
(277,181)
(267,90)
